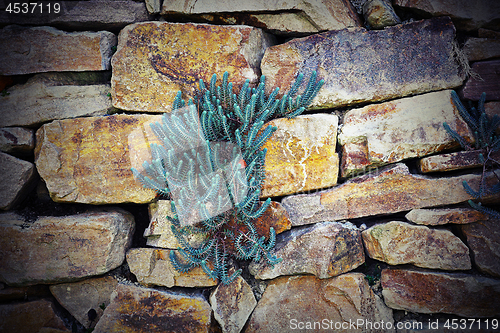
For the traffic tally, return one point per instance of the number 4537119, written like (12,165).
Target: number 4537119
(33,7)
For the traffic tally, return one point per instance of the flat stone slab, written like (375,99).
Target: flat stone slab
(16,178)
(150,68)
(133,308)
(483,238)
(389,190)
(61,249)
(369,66)
(489,82)
(481,48)
(324,249)
(434,292)
(88,160)
(16,140)
(152,267)
(306,302)
(46,49)
(281,17)
(399,243)
(43,99)
(35,316)
(379,134)
(301,155)
(459,160)
(440,216)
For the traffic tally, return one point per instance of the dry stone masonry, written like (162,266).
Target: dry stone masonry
(372,220)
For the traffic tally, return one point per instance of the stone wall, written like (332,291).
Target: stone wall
(373,223)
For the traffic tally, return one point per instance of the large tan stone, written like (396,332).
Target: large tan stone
(440,216)
(81,297)
(88,160)
(152,267)
(399,243)
(483,238)
(379,134)
(367,66)
(324,249)
(301,155)
(62,249)
(25,50)
(155,60)
(35,316)
(16,178)
(434,292)
(344,303)
(281,17)
(136,309)
(389,190)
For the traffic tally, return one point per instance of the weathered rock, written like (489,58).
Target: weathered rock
(9,294)
(152,267)
(81,297)
(153,6)
(324,249)
(453,161)
(440,216)
(389,132)
(159,233)
(232,304)
(36,316)
(281,17)
(301,155)
(85,15)
(16,178)
(399,243)
(489,82)
(492,108)
(306,302)
(45,49)
(481,48)
(16,140)
(379,14)
(433,292)
(369,66)
(62,249)
(39,101)
(149,69)
(467,15)
(132,309)
(388,190)
(88,160)
(483,238)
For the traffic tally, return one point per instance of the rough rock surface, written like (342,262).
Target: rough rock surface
(379,134)
(149,69)
(152,267)
(466,159)
(232,304)
(88,160)
(399,243)
(46,49)
(133,308)
(281,17)
(483,239)
(379,14)
(81,297)
(395,69)
(489,81)
(35,316)
(40,101)
(16,178)
(324,249)
(303,301)
(440,216)
(301,155)
(481,48)
(434,292)
(61,249)
(389,190)
(16,140)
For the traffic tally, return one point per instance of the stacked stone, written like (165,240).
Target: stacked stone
(79,91)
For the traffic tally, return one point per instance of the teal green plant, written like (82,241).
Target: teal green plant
(487,141)
(233,180)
